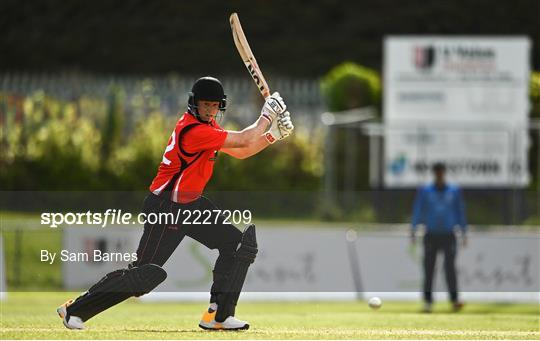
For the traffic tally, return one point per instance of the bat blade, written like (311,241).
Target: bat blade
(247,55)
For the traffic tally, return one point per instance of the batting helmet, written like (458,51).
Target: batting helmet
(206,89)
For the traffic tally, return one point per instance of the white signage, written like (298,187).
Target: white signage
(473,157)
(481,267)
(310,261)
(289,260)
(84,249)
(456,100)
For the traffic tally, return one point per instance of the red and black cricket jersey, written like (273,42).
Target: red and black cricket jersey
(188,161)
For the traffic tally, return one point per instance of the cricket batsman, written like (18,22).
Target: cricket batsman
(186,167)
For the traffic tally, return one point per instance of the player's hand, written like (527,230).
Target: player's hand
(284,123)
(280,128)
(273,106)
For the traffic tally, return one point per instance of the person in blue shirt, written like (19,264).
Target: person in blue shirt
(439,207)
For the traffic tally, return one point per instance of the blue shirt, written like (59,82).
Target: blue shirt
(440,210)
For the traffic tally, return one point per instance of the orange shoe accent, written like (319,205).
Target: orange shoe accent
(66,304)
(208,317)
(218,326)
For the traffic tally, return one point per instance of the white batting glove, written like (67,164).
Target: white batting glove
(273,106)
(280,128)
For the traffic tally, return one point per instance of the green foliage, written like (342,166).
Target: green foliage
(292,165)
(135,163)
(48,144)
(112,129)
(534,93)
(349,85)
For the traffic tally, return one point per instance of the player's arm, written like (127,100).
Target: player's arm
(253,139)
(253,134)
(245,152)
(280,128)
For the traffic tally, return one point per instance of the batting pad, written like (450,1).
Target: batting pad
(245,255)
(116,287)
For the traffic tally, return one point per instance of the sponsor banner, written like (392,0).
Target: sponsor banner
(471,79)
(89,253)
(460,100)
(474,158)
(313,261)
(288,260)
(492,262)
(303,260)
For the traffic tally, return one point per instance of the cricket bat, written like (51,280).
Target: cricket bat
(247,56)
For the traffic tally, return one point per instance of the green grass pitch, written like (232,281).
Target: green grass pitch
(33,316)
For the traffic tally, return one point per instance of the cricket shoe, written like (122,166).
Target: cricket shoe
(208,321)
(71,322)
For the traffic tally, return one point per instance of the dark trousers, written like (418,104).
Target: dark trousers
(159,240)
(433,243)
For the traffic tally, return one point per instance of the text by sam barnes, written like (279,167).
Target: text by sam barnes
(94,256)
